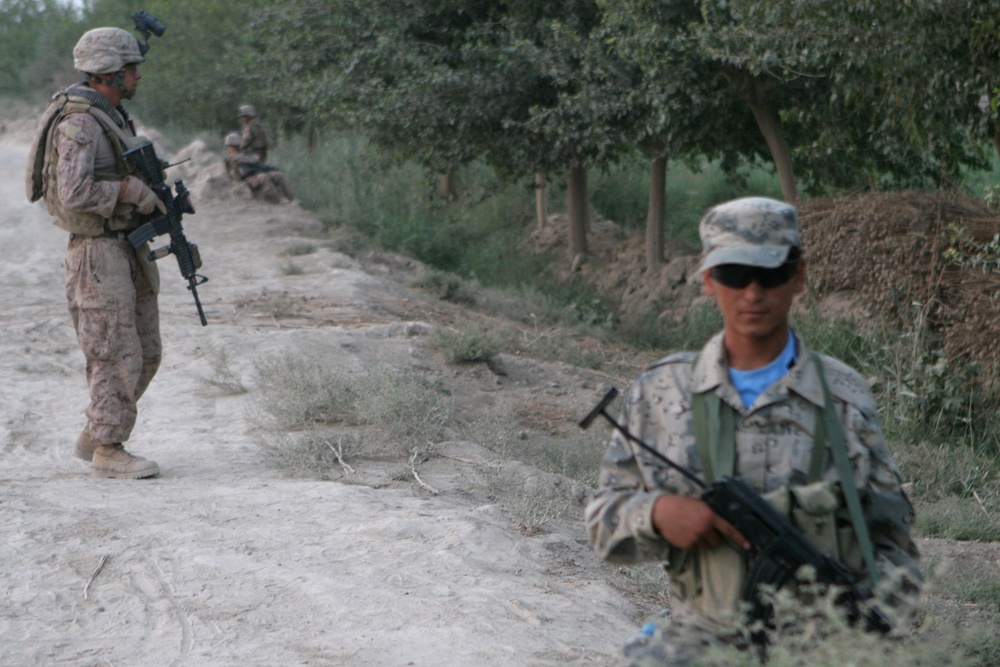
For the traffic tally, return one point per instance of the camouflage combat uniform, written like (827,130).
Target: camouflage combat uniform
(255,141)
(773,452)
(111,295)
(269,184)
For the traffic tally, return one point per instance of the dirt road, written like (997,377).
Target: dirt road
(220,561)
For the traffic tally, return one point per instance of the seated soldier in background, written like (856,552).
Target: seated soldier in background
(265,181)
(255,139)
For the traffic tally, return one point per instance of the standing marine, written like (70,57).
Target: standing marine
(76,166)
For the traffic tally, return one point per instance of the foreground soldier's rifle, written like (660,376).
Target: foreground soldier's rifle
(778,548)
(144,161)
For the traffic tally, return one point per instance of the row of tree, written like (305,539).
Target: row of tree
(835,94)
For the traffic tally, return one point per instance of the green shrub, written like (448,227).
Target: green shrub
(468,344)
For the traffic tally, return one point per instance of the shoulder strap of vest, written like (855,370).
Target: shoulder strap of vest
(715,435)
(838,447)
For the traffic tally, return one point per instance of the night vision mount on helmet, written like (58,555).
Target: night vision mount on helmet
(108,50)
(146,23)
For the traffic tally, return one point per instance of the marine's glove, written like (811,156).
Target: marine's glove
(137,193)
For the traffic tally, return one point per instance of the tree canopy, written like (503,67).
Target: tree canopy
(836,94)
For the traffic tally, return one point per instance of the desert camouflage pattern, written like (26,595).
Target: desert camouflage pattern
(754,231)
(83,174)
(272,186)
(773,444)
(255,140)
(116,316)
(109,296)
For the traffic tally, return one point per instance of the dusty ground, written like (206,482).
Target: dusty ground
(222,561)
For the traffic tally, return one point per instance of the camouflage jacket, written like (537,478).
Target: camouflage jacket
(254,139)
(83,168)
(773,449)
(240,166)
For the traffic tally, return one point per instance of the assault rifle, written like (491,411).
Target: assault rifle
(778,548)
(143,160)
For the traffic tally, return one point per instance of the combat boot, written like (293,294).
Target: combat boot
(85,446)
(114,461)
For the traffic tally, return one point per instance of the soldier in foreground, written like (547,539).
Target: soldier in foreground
(111,287)
(254,139)
(754,404)
(264,181)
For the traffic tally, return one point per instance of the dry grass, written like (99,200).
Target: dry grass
(314,418)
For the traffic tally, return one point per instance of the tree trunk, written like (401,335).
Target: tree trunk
(311,139)
(996,140)
(541,201)
(770,127)
(654,214)
(449,186)
(576,212)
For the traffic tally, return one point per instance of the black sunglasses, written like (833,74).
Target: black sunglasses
(739,276)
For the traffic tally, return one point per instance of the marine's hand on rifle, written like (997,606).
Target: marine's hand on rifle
(689,523)
(134,191)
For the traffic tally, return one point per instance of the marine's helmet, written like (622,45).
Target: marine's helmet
(233,139)
(106,50)
(247,110)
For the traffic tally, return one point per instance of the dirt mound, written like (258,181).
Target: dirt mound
(878,255)
(889,253)
(616,267)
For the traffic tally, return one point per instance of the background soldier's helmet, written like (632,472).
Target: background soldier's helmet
(247,110)
(106,50)
(233,139)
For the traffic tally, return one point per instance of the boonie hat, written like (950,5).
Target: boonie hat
(754,231)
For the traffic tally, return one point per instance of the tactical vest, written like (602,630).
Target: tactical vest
(711,579)
(42,175)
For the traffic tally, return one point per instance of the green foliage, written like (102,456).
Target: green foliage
(689,332)
(192,74)
(467,344)
(967,252)
(36,41)
(955,518)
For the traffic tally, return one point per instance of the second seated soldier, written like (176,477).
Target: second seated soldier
(254,139)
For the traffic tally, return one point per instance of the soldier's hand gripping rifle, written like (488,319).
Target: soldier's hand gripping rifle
(143,160)
(778,548)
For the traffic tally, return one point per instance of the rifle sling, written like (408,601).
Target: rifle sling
(838,446)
